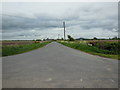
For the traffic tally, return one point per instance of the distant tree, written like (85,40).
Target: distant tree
(47,39)
(94,38)
(38,39)
(70,38)
(61,38)
(44,40)
(115,38)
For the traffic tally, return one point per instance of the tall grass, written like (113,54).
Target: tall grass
(91,49)
(17,49)
(111,47)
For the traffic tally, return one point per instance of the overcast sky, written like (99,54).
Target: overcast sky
(45,20)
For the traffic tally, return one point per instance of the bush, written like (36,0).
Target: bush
(112,47)
(70,38)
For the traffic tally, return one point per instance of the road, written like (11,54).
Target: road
(0,72)
(58,66)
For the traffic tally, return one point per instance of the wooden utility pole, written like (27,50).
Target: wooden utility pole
(58,36)
(64,29)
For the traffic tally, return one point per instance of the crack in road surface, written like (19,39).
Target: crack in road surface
(58,66)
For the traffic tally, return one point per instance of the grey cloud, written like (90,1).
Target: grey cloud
(11,22)
(18,23)
(85,17)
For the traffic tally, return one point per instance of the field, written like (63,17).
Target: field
(17,47)
(105,48)
(16,42)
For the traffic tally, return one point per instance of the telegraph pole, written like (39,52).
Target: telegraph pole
(58,36)
(64,29)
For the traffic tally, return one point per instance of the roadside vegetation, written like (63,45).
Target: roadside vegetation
(12,49)
(105,48)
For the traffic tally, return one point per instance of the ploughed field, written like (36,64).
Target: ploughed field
(16,42)
(104,40)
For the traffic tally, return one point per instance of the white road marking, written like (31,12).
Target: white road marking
(67,80)
(81,79)
(49,79)
(112,80)
(109,69)
(50,69)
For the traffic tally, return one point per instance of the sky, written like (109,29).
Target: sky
(39,20)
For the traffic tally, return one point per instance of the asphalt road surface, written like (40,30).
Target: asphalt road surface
(0,72)
(58,66)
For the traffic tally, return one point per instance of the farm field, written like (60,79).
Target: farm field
(17,47)
(105,48)
(16,42)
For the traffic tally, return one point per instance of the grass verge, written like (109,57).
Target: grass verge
(90,49)
(17,49)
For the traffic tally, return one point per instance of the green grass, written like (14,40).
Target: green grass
(17,49)
(90,49)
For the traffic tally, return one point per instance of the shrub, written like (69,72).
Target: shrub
(70,38)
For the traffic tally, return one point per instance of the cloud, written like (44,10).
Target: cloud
(47,18)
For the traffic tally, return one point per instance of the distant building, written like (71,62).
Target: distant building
(80,39)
